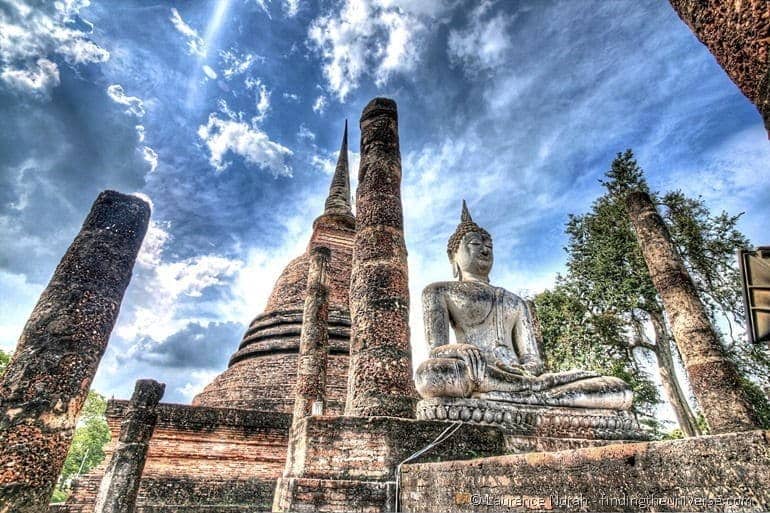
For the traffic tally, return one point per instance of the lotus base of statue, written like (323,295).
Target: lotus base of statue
(534,420)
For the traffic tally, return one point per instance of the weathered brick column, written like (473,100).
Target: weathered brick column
(713,377)
(380,377)
(737,33)
(47,380)
(120,484)
(314,339)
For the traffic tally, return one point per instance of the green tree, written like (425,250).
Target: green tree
(608,276)
(4,359)
(570,334)
(87,449)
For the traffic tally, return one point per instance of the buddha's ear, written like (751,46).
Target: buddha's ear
(456,272)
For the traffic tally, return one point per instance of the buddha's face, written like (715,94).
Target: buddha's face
(474,256)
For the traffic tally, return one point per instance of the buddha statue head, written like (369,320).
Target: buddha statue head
(470,250)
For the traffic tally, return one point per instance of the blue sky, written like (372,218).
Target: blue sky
(227,115)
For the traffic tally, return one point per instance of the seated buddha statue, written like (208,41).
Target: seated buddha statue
(496,355)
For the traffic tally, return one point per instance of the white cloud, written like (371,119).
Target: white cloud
(29,37)
(305,133)
(223,136)
(199,380)
(370,37)
(291,96)
(235,63)
(263,5)
(484,43)
(135,105)
(209,72)
(153,244)
(168,284)
(151,156)
(195,44)
(291,7)
(38,79)
(140,133)
(263,97)
(320,105)
(14,313)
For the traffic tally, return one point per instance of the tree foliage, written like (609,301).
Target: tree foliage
(4,359)
(607,299)
(87,449)
(574,337)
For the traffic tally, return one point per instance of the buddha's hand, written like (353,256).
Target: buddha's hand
(469,354)
(506,360)
(475,362)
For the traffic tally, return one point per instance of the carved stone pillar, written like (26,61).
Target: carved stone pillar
(380,377)
(120,484)
(713,377)
(48,377)
(314,340)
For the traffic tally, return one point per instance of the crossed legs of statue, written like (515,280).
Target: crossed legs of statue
(451,377)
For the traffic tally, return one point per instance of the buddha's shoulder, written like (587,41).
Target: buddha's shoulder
(462,286)
(438,287)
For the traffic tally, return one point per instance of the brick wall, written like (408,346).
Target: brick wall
(687,474)
(201,456)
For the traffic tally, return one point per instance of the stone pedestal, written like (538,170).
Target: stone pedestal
(349,463)
(536,421)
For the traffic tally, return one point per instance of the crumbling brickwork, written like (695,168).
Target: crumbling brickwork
(201,456)
(687,474)
(737,33)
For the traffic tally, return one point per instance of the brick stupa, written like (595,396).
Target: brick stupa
(262,372)
(226,451)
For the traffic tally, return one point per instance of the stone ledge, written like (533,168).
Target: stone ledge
(541,421)
(204,418)
(620,477)
(302,495)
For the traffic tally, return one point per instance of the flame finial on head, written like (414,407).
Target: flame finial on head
(465,216)
(466,226)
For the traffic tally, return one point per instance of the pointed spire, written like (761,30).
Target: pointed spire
(465,217)
(338,201)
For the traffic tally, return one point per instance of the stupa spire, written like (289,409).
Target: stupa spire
(338,201)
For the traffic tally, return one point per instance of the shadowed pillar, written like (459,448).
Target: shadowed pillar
(48,378)
(314,339)
(120,484)
(380,377)
(713,377)
(737,33)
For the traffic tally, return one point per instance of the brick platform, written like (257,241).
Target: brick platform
(349,463)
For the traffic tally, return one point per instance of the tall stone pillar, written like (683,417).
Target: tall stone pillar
(380,377)
(314,339)
(47,380)
(120,484)
(737,33)
(714,378)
